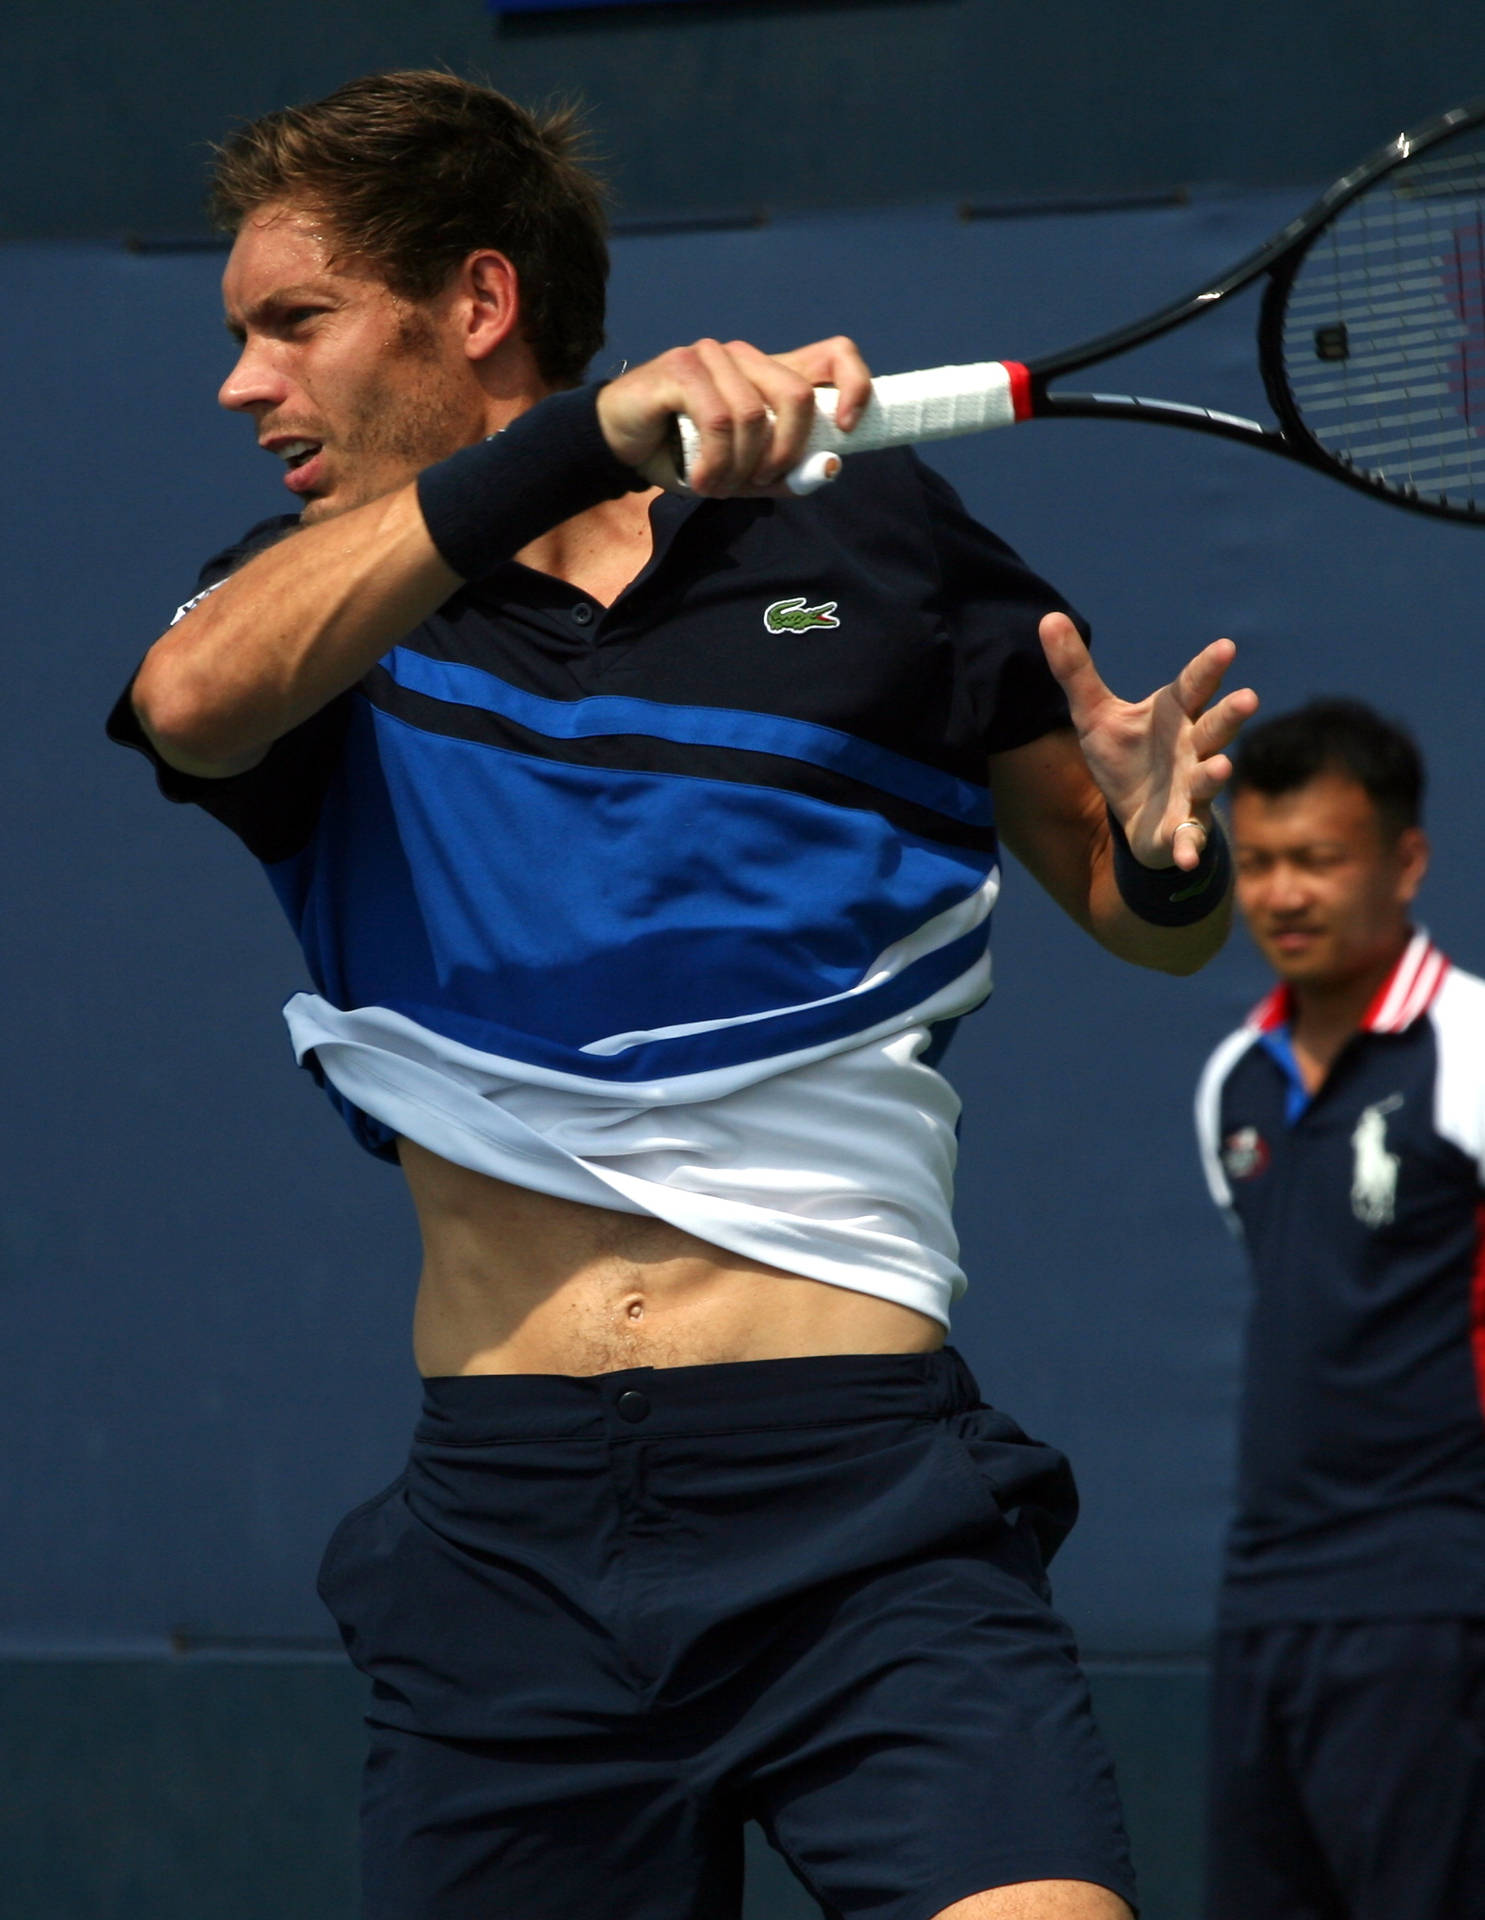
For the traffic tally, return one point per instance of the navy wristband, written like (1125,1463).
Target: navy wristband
(1172,896)
(487,501)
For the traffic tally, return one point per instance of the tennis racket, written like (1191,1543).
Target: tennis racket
(1371,342)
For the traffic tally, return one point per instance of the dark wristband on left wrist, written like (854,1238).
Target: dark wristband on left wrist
(487,501)
(1172,896)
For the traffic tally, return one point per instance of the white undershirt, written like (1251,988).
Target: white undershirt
(840,1168)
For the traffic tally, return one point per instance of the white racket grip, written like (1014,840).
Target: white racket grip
(936,403)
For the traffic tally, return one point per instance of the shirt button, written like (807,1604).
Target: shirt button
(582,613)
(633,1406)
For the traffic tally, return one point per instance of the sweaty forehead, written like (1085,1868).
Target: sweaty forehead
(284,247)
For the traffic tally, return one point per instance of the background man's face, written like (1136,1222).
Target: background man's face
(353,388)
(1323,885)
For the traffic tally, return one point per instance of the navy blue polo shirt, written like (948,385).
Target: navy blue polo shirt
(1361,1482)
(741,813)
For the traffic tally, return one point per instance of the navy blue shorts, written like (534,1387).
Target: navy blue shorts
(1348,1772)
(609,1620)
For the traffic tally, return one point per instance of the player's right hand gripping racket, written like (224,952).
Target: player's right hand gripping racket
(1371,342)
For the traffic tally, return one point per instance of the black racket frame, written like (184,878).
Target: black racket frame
(1280,258)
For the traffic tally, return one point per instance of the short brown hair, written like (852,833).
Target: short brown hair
(415,171)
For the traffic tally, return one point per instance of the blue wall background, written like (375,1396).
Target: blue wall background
(107,110)
(205,1287)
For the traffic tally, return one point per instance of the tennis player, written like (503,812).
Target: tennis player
(642,846)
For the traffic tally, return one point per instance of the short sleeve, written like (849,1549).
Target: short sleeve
(993,603)
(1209,1092)
(273,807)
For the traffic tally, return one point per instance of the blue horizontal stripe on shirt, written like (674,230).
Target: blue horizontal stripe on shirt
(773,1036)
(519,892)
(601,714)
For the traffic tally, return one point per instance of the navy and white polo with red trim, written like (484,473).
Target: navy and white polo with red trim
(1361,1477)
(671,905)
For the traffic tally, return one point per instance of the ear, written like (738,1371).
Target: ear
(488,300)
(1412,856)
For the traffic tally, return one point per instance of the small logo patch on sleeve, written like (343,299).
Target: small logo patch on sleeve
(196,599)
(1244,1154)
(793,616)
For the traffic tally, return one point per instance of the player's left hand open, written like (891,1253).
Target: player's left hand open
(752,411)
(1159,762)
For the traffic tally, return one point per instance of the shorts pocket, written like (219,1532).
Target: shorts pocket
(1030,1484)
(335,1562)
(968,1476)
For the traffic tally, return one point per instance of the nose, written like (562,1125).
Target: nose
(253,382)
(1287,892)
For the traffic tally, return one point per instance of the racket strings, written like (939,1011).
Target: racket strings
(1384,328)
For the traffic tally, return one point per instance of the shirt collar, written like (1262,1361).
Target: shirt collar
(1403,997)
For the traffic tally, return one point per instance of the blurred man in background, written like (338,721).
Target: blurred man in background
(1343,1130)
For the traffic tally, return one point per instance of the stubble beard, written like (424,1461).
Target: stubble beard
(400,425)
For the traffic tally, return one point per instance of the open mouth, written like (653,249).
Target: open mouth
(304,464)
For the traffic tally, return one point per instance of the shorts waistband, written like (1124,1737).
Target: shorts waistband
(641,1402)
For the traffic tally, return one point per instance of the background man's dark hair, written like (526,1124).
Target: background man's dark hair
(1335,735)
(415,171)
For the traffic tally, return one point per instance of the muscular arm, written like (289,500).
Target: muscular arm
(308,617)
(1155,764)
(296,626)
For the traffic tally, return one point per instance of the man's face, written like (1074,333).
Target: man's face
(1323,886)
(353,388)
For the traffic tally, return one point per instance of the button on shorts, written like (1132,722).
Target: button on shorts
(608,1620)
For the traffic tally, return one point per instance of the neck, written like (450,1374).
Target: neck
(599,552)
(1327,1013)
(511,384)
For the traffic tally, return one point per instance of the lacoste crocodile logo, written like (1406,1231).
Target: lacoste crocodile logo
(793,616)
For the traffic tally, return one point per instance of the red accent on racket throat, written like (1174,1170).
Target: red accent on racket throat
(1020,379)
